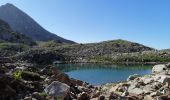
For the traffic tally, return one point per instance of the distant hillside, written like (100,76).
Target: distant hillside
(108,51)
(20,21)
(8,35)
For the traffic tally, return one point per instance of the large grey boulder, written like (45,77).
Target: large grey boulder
(57,89)
(164,79)
(159,68)
(137,91)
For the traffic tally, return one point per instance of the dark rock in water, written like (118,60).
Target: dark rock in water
(84,96)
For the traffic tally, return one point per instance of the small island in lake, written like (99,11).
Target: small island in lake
(36,64)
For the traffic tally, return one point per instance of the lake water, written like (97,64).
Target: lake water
(98,74)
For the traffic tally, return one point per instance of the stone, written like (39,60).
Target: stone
(67,96)
(57,88)
(136,91)
(148,97)
(126,93)
(64,78)
(157,93)
(168,65)
(164,79)
(163,97)
(114,88)
(113,96)
(148,89)
(84,96)
(101,98)
(159,68)
(132,77)
(148,80)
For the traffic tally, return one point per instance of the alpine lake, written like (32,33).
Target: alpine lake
(98,74)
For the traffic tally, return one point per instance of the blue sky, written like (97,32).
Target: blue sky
(143,21)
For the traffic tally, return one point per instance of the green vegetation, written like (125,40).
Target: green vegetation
(17,75)
(9,49)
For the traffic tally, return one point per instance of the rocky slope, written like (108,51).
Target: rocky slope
(116,51)
(24,81)
(20,21)
(12,42)
(8,35)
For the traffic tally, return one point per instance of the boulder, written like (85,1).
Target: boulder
(168,65)
(148,80)
(57,88)
(164,79)
(148,97)
(136,91)
(159,68)
(157,93)
(84,96)
(132,77)
(113,96)
(101,98)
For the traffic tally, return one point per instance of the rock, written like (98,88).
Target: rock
(125,94)
(113,96)
(159,68)
(164,79)
(64,78)
(157,93)
(27,98)
(30,76)
(163,97)
(101,98)
(57,89)
(166,91)
(148,89)
(147,97)
(136,91)
(148,80)
(114,88)
(84,96)
(132,77)
(168,65)
(67,96)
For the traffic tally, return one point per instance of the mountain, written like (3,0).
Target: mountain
(8,35)
(21,22)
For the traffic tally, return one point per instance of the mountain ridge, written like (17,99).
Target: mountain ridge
(20,21)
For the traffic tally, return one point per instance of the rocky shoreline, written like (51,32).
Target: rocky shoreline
(155,86)
(25,81)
